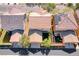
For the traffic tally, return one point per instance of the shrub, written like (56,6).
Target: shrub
(77,5)
(24,41)
(47,42)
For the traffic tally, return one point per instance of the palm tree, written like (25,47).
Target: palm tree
(27,24)
(25,38)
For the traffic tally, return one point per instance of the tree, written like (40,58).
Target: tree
(47,41)
(69,4)
(77,5)
(49,6)
(25,37)
(24,41)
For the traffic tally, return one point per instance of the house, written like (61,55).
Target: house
(64,29)
(39,23)
(12,17)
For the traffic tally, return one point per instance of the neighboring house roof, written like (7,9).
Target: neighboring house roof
(39,10)
(12,9)
(12,22)
(77,13)
(15,37)
(36,9)
(12,16)
(65,22)
(38,21)
(35,38)
(69,37)
(39,14)
(60,7)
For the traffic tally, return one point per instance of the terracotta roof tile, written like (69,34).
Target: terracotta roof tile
(15,37)
(35,38)
(40,22)
(66,22)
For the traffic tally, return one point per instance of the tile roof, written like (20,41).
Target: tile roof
(36,38)
(70,39)
(15,37)
(12,22)
(65,22)
(40,22)
(12,9)
(77,13)
(39,10)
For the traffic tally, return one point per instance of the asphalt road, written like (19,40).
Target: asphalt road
(51,53)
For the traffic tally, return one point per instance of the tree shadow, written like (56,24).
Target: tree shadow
(45,51)
(15,49)
(69,50)
(34,50)
(23,52)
